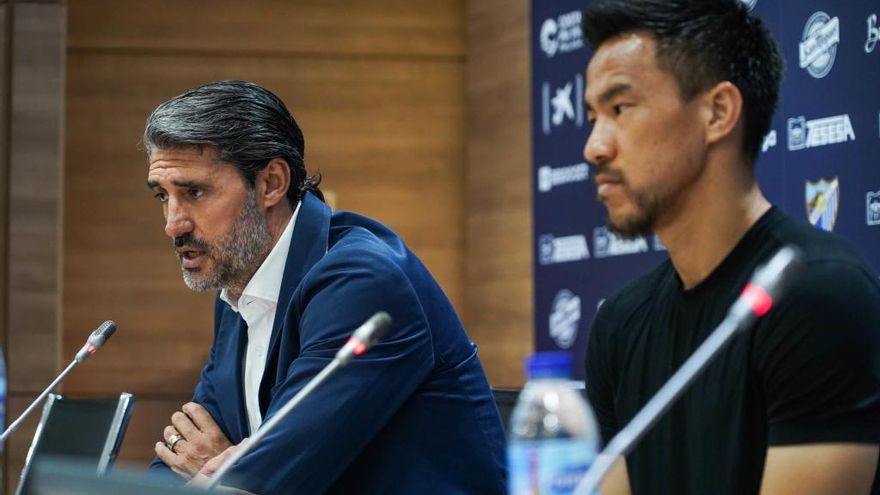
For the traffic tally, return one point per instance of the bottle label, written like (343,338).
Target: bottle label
(548,467)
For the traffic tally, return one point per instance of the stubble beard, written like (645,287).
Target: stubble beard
(235,256)
(640,223)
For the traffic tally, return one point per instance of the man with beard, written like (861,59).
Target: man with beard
(413,415)
(680,94)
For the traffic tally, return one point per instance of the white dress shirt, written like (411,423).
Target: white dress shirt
(257,307)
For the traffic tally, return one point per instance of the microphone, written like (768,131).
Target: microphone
(363,338)
(767,284)
(95,341)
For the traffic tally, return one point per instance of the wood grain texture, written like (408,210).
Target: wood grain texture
(324,28)
(498,280)
(378,88)
(35,166)
(31,214)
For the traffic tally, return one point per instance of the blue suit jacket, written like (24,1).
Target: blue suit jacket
(413,415)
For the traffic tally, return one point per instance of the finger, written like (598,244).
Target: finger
(168,432)
(184,425)
(214,464)
(165,454)
(171,460)
(200,417)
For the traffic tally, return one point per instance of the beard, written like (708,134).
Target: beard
(639,223)
(235,256)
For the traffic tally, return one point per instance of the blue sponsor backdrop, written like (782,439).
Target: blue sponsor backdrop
(820,162)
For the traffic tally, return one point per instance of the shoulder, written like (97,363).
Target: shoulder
(361,254)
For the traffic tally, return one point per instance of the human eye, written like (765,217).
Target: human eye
(619,108)
(195,193)
(162,196)
(591,117)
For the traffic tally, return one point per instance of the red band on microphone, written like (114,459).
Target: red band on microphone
(757,299)
(359,347)
(91,349)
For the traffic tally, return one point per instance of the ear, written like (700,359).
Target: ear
(723,105)
(273,182)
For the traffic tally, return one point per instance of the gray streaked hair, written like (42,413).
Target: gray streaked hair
(246,123)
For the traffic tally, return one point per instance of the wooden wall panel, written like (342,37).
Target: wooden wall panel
(32,107)
(498,279)
(378,88)
(396,28)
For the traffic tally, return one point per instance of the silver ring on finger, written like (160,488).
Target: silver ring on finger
(172,441)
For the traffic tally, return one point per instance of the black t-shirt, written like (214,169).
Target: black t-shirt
(808,372)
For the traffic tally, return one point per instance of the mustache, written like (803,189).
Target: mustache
(190,240)
(615,175)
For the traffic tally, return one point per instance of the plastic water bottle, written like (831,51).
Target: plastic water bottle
(553,437)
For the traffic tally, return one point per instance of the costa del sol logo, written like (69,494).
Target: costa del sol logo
(822,200)
(818,45)
(564,318)
(872,205)
(562,34)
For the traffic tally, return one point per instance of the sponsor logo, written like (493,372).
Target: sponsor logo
(769,141)
(873,33)
(550,177)
(562,35)
(803,133)
(822,199)
(750,3)
(553,250)
(872,205)
(564,318)
(607,244)
(564,106)
(819,44)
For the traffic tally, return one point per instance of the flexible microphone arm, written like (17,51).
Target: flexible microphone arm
(361,340)
(759,295)
(95,341)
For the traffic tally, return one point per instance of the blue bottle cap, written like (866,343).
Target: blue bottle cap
(549,365)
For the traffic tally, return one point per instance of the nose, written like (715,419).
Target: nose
(599,148)
(177,219)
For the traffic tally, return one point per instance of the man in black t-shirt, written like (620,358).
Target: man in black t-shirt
(680,94)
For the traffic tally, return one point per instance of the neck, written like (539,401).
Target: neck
(277,218)
(710,219)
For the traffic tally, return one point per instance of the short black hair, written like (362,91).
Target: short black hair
(246,123)
(701,43)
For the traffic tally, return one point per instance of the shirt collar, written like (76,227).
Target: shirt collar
(266,282)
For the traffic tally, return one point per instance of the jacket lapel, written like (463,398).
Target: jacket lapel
(308,244)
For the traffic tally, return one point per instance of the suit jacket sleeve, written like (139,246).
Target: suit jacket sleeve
(203,395)
(310,448)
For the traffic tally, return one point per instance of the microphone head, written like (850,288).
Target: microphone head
(775,275)
(101,334)
(373,329)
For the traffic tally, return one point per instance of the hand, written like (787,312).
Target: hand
(203,478)
(202,440)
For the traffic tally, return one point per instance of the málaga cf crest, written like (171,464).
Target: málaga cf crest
(822,198)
